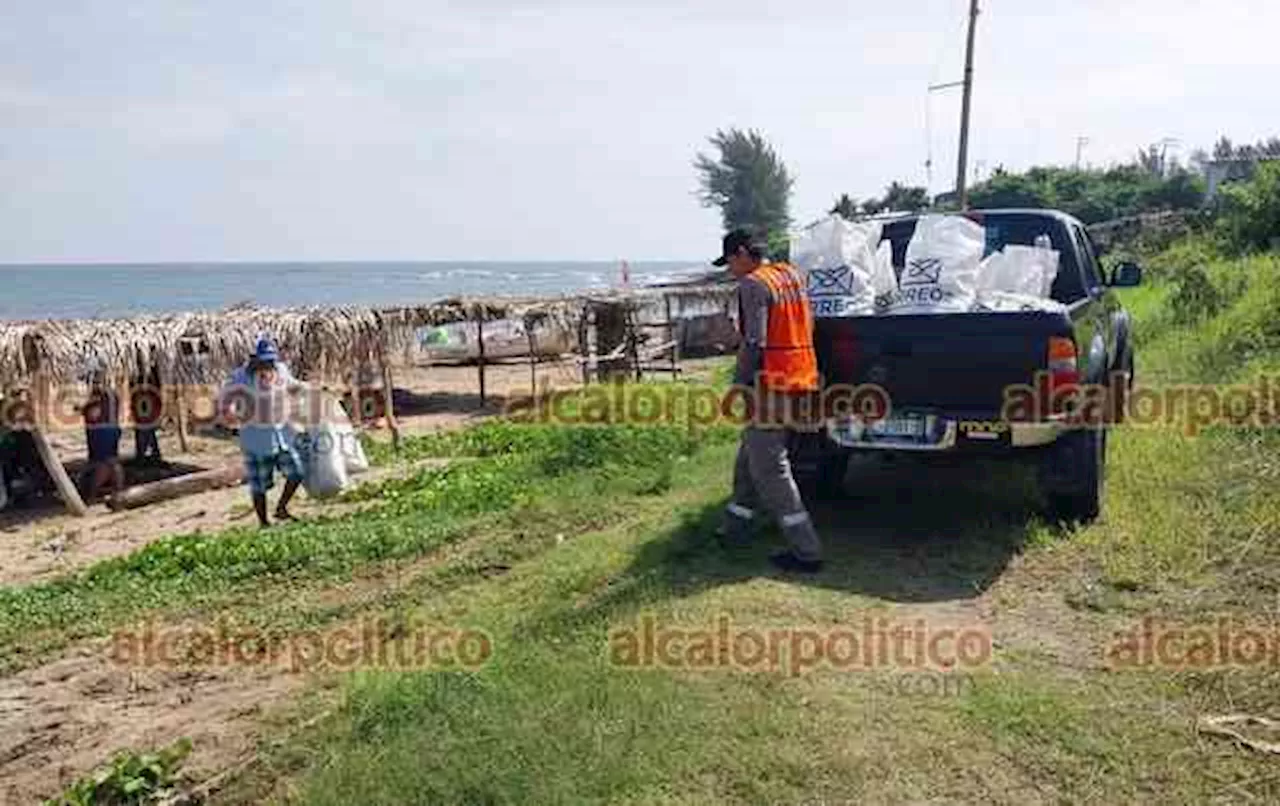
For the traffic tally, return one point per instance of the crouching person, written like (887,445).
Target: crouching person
(256,396)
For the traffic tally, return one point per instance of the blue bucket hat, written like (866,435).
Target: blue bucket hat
(265,350)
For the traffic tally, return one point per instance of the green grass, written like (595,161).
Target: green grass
(517,467)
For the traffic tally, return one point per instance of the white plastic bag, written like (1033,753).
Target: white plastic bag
(838,261)
(883,279)
(941,269)
(351,448)
(1016,269)
(326,466)
(1005,302)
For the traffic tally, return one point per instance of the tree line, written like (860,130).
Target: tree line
(749,182)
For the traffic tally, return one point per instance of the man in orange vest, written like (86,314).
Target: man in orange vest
(777,365)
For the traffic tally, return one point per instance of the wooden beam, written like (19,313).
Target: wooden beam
(633,342)
(484,398)
(584,347)
(61,481)
(673,335)
(165,489)
(42,400)
(533,361)
(178,395)
(387,388)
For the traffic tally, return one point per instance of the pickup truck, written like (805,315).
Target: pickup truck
(1038,385)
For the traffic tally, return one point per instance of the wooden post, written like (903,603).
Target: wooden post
(533,361)
(584,346)
(633,341)
(387,389)
(484,399)
(673,336)
(611,337)
(42,400)
(66,489)
(178,395)
(123,413)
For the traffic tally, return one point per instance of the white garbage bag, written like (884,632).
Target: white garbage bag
(326,438)
(941,271)
(351,448)
(1016,269)
(1006,302)
(326,474)
(885,279)
(837,259)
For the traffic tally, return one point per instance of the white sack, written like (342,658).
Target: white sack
(837,259)
(351,448)
(883,278)
(326,474)
(941,269)
(1005,302)
(1016,269)
(326,438)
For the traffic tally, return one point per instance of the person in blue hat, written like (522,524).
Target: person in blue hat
(256,398)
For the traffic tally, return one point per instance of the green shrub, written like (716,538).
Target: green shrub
(1250,211)
(1194,296)
(129,779)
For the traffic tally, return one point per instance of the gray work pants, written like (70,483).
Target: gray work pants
(762,475)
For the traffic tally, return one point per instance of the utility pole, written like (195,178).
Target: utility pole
(962,190)
(1081,142)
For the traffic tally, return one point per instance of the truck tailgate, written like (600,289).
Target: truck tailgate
(952,362)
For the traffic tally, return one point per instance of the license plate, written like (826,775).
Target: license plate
(898,428)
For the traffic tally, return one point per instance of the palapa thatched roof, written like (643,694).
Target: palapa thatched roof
(317,341)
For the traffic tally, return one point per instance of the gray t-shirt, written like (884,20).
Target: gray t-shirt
(753,321)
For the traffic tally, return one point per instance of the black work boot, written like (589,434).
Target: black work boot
(789,562)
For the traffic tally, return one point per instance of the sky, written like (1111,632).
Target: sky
(170,130)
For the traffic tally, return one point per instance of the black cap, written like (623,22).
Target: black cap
(737,239)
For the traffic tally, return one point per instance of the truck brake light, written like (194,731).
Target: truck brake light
(1064,374)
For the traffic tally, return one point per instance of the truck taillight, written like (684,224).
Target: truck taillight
(1064,374)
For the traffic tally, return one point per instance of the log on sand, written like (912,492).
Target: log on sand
(61,481)
(163,490)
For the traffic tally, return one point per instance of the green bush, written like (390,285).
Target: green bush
(1250,211)
(1194,297)
(129,779)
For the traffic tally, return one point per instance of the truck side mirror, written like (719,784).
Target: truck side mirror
(1127,275)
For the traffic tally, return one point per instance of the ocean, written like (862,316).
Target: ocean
(63,291)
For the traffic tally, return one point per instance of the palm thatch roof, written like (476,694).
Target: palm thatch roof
(318,341)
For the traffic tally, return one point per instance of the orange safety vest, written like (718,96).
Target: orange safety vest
(790,364)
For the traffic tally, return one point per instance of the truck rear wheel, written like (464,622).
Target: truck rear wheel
(1073,478)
